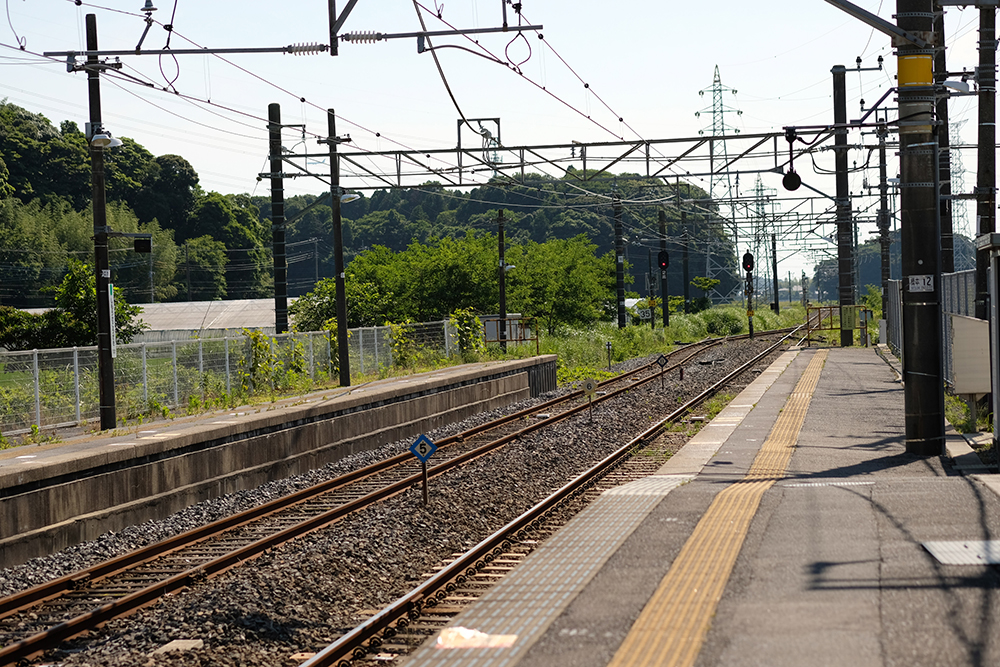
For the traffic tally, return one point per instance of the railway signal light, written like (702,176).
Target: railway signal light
(663,260)
(747,261)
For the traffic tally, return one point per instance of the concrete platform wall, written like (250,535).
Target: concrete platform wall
(77,497)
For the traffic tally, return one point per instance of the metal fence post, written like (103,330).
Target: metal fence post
(177,400)
(312,364)
(76,382)
(145,377)
(201,367)
(361,347)
(228,384)
(38,390)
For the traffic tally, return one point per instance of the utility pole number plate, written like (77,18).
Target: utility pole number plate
(921,283)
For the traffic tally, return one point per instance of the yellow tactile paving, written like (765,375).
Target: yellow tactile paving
(673,624)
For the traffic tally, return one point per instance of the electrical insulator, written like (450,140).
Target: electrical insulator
(663,259)
(305,49)
(747,261)
(362,37)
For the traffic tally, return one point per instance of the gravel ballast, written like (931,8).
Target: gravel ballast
(304,594)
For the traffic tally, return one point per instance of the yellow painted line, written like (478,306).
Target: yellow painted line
(673,624)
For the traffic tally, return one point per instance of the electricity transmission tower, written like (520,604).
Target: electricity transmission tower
(719,128)
(763,228)
(959,212)
(720,186)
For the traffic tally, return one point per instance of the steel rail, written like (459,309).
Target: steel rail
(26,599)
(39,642)
(351,645)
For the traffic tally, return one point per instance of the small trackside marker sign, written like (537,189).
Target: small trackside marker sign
(423,448)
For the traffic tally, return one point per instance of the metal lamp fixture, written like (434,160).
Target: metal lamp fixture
(103,139)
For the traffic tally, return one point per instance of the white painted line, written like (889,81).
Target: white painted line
(846,483)
(26,456)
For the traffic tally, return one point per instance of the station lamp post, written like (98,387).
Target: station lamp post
(99,139)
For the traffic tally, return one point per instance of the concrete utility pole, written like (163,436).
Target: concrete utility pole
(944,150)
(986,168)
(619,260)
(883,217)
(278,220)
(343,352)
(502,323)
(105,358)
(923,381)
(686,261)
(845,232)
(664,288)
(774,271)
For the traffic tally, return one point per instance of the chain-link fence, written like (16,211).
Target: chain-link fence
(59,387)
(958,297)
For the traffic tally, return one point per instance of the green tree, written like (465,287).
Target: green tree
(236,223)
(41,160)
(706,285)
(202,264)
(560,282)
(366,305)
(168,194)
(73,322)
(77,297)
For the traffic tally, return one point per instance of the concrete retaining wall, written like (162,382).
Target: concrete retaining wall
(76,493)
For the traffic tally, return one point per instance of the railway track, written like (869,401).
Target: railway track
(38,619)
(409,621)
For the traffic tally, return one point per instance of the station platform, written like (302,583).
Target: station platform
(57,494)
(793,530)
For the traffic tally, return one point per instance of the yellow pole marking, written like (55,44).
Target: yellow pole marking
(673,624)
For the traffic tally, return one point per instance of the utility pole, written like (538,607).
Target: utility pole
(923,382)
(686,261)
(883,218)
(187,269)
(944,146)
(502,323)
(845,235)
(651,289)
(105,358)
(343,352)
(619,259)
(315,260)
(278,220)
(152,288)
(664,288)
(774,269)
(986,168)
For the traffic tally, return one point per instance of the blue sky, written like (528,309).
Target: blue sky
(645,62)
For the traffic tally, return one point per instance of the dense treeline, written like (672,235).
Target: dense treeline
(540,209)
(827,279)
(209,245)
(558,282)
(205,244)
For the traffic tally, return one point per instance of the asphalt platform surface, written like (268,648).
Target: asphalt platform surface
(837,565)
